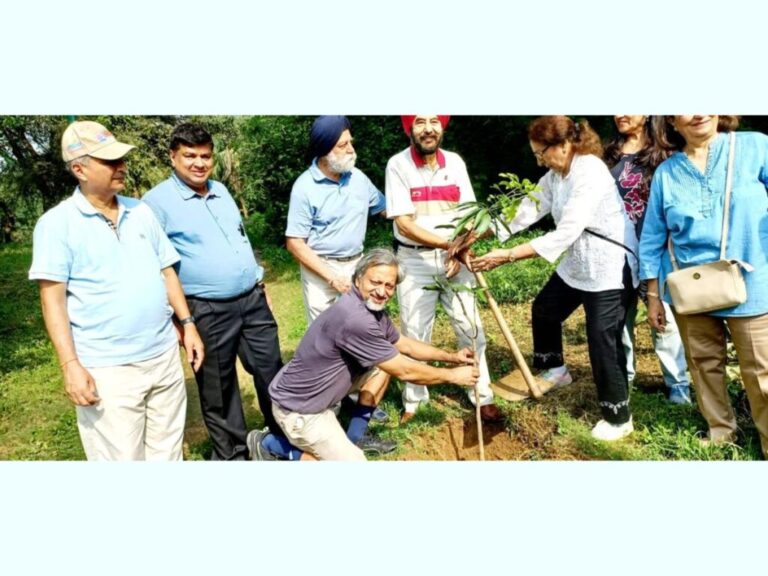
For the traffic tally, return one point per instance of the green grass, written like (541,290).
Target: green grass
(37,421)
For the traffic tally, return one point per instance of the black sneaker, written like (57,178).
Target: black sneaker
(255,450)
(375,445)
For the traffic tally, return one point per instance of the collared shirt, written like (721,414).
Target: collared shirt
(332,216)
(431,196)
(342,343)
(116,295)
(586,198)
(688,205)
(217,260)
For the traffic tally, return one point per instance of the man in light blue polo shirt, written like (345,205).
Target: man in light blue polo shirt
(105,270)
(328,217)
(223,284)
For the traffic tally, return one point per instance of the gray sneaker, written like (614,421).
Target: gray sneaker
(255,450)
(379,416)
(375,445)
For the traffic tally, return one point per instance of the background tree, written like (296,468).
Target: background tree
(258,158)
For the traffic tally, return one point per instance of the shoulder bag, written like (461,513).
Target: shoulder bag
(715,285)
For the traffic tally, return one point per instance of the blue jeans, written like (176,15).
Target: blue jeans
(668,347)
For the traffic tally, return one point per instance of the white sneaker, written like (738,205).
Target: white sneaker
(609,432)
(557,378)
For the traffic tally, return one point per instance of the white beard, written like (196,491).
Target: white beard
(373,307)
(341,165)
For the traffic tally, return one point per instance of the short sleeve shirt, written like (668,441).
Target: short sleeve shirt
(217,259)
(432,196)
(332,216)
(342,343)
(116,296)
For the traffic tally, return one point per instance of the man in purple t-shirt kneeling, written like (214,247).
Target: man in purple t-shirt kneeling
(352,346)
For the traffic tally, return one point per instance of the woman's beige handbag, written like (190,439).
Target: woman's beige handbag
(715,285)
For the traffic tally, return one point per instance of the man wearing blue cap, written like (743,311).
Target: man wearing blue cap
(328,215)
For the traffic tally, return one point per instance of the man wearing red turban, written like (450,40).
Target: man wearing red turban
(424,187)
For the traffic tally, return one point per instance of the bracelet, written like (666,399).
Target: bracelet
(67,362)
(511,258)
(187,320)
(653,294)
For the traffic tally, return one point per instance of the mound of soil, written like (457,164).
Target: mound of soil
(456,439)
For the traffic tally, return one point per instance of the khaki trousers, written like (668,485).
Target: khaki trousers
(318,434)
(704,338)
(321,434)
(142,411)
(318,295)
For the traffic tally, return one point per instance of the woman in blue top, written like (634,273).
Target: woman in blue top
(686,203)
(632,157)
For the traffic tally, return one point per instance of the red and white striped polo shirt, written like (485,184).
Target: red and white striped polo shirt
(432,197)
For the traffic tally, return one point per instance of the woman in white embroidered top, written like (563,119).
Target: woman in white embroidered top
(598,271)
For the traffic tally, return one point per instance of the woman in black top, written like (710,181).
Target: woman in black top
(633,157)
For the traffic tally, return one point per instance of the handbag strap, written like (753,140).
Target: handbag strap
(611,240)
(726,207)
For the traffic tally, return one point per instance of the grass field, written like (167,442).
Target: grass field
(37,421)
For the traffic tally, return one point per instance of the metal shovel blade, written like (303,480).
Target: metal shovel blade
(513,387)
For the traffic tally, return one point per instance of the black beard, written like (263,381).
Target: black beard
(425,151)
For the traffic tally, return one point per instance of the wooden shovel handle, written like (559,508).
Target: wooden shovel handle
(518,356)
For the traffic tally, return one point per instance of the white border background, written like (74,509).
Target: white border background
(349,57)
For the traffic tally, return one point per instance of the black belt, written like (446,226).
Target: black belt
(397,244)
(258,285)
(343,258)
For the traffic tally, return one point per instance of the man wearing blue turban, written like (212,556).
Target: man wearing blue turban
(328,214)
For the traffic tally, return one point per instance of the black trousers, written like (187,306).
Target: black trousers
(243,327)
(605,313)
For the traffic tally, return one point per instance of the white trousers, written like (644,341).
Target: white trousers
(417,316)
(142,411)
(318,295)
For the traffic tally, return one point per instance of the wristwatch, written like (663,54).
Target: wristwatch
(187,320)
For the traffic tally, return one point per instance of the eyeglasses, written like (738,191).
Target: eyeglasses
(540,154)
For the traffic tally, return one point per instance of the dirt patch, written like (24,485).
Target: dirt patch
(529,434)
(456,439)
